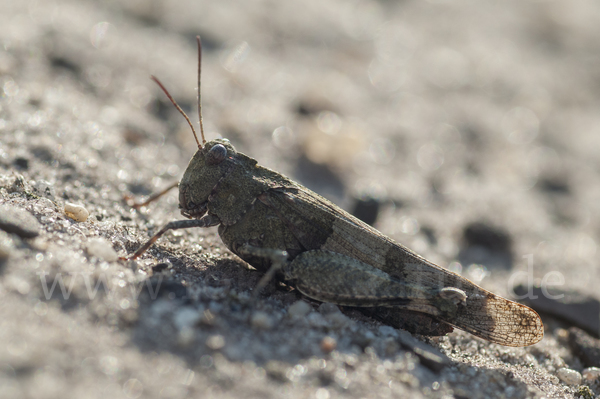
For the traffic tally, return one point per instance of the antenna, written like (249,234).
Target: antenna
(155,79)
(199,94)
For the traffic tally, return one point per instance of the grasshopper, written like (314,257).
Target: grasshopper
(287,231)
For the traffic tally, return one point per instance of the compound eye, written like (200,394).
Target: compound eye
(216,154)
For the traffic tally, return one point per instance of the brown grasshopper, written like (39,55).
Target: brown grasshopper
(284,229)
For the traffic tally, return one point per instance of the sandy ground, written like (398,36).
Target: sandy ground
(452,114)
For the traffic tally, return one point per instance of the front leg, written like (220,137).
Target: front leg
(205,221)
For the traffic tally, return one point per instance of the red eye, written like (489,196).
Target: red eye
(216,154)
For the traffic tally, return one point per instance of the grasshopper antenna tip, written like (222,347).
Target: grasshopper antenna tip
(155,79)
(199,94)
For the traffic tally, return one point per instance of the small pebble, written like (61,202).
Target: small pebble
(102,249)
(76,212)
(215,342)
(19,222)
(161,267)
(299,309)
(21,163)
(328,344)
(591,374)
(261,321)
(568,376)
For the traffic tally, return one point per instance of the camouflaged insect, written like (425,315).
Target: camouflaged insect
(285,230)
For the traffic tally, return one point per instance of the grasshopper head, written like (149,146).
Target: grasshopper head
(213,161)
(209,165)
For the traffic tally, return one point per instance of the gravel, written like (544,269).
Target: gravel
(19,222)
(570,377)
